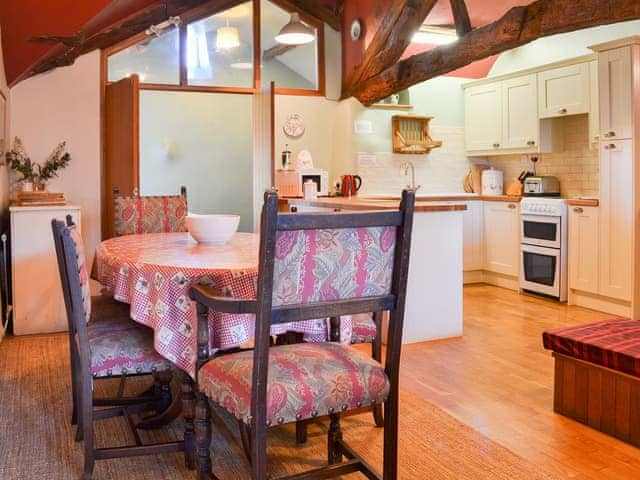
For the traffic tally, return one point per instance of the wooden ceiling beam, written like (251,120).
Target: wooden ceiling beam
(461,17)
(518,26)
(332,17)
(390,40)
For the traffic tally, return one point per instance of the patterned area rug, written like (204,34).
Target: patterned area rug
(36,438)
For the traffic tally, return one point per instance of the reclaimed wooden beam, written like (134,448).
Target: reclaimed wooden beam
(332,17)
(518,26)
(390,40)
(276,51)
(461,17)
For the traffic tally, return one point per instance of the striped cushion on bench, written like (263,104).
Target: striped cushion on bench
(614,344)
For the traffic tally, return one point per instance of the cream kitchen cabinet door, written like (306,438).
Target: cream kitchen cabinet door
(583,248)
(520,124)
(616,219)
(502,238)
(615,88)
(472,231)
(564,91)
(483,117)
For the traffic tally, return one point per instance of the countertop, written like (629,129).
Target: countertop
(583,202)
(375,203)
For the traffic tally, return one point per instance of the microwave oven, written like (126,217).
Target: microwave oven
(289,182)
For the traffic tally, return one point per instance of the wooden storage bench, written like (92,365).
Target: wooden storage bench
(596,380)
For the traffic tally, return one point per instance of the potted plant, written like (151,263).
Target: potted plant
(32,173)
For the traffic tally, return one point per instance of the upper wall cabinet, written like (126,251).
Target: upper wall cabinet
(564,91)
(520,126)
(616,94)
(483,117)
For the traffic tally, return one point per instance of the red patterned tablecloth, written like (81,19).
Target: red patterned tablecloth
(153,273)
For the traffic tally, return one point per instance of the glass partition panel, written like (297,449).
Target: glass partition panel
(220,49)
(156,59)
(289,66)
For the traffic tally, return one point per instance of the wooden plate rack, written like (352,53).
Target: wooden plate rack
(410,134)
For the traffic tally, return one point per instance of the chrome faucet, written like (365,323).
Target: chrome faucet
(408,165)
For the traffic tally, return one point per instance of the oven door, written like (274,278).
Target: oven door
(540,230)
(540,269)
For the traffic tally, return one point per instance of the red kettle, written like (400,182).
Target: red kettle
(350,185)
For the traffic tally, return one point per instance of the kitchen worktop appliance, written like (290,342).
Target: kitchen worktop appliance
(543,246)
(541,186)
(290,182)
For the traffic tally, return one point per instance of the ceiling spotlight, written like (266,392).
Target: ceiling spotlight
(295,32)
(162,26)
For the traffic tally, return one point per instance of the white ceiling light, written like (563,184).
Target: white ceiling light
(434,35)
(227,37)
(295,32)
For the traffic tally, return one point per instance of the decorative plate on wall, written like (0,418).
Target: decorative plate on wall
(293,125)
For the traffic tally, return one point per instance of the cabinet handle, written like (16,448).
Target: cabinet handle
(511,206)
(578,210)
(609,134)
(531,142)
(496,145)
(562,111)
(610,146)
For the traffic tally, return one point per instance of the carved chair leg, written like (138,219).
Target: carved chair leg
(301,432)
(86,412)
(259,452)
(203,436)
(162,384)
(390,453)
(376,354)
(74,384)
(188,412)
(78,406)
(334,438)
(245,438)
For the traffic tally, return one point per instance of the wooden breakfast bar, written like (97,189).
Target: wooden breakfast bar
(434,289)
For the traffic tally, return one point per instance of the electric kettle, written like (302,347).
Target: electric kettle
(350,185)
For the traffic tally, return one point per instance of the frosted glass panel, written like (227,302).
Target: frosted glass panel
(155,60)
(220,49)
(203,141)
(289,66)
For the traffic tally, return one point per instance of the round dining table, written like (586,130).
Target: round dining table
(153,274)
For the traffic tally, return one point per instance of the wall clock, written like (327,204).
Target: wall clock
(293,125)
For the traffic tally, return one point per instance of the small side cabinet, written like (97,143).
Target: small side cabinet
(38,305)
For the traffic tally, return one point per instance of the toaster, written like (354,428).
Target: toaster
(541,186)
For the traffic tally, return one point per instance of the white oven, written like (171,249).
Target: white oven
(540,269)
(543,246)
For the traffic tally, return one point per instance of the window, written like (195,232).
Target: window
(154,59)
(289,66)
(216,51)
(220,49)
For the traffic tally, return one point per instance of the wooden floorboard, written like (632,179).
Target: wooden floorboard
(498,379)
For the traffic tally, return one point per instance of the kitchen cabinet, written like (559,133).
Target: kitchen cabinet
(502,237)
(472,232)
(616,219)
(520,125)
(38,305)
(564,91)
(594,109)
(483,117)
(615,88)
(583,248)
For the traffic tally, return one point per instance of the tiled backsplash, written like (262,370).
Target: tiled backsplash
(576,167)
(441,171)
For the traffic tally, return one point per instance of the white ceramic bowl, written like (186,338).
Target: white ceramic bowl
(215,229)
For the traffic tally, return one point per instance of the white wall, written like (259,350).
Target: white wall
(560,47)
(203,141)
(64,104)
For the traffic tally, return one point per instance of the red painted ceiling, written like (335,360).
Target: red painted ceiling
(22,19)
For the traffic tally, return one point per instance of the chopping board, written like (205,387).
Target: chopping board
(476,177)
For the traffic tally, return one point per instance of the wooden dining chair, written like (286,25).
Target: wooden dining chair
(149,214)
(105,348)
(310,266)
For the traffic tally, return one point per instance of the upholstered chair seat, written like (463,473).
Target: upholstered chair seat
(304,381)
(364,329)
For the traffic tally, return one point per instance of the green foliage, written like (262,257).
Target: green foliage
(18,160)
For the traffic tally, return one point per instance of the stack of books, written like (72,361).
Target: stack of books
(32,199)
